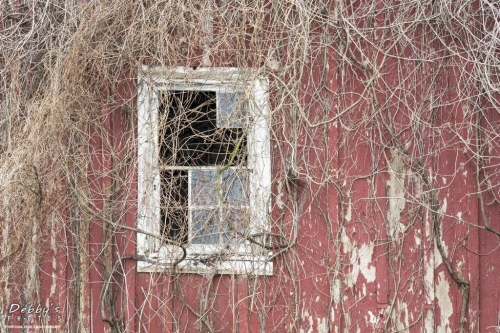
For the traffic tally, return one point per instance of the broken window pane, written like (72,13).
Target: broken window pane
(232,111)
(189,135)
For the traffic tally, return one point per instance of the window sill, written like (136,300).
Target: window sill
(243,263)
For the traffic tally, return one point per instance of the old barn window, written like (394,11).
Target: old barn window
(204,169)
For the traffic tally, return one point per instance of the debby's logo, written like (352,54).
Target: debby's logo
(31,314)
(14,307)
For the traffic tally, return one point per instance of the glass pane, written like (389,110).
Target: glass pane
(231,110)
(236,222)
(235,187)
(204,188)
(205,226)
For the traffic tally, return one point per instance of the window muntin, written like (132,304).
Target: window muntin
(193,147)
(218,205)
(205,185)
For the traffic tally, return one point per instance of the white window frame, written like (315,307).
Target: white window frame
(246,258)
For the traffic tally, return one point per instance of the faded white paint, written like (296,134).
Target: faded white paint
(273,63)
(395,193)
(306,319)
(418,241)
(400,317)
(429,266)
(346,242)
(279,195)
(437,256)
(336,291)
(347,322)
(361,260)
(348,214)
(365,256)
(429,279)
(429,321)
(444,302)
(322,325)
(308,323)
(371,319)
(444,206)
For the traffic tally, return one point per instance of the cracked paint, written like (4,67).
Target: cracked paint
(336,291)
(429,275)
(442,209)
(371,319)
(308,321)
(400,317)
(346,242)
(361,263)
(322,325)
(429,322)
(395,193)
(348,214)
(444,303)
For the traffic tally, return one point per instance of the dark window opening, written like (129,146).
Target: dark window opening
(189,135)
(174,205)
